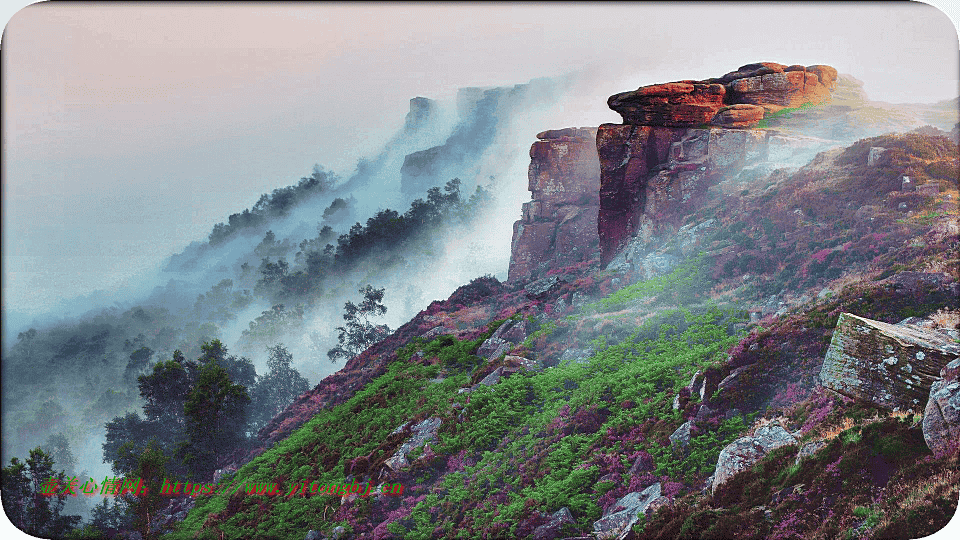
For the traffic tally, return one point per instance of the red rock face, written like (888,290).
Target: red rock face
(679,104)
(768,85)
(559,226)
(656,167)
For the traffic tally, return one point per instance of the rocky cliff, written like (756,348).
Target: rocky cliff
(559,226)
(677,139)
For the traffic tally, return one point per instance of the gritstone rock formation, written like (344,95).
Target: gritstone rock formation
(890,366)
(679,138)
(559,226)
(941,418)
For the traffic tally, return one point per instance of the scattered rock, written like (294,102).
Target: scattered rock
(941,418)
(435,332)
(644,463)
(620,517)
(745,451)
(576,356)
(220,473)
(512,364)
(808,450)
(680,438)
(313,535)
(543,287)
(887,365)
(421,433)
(552,528)
(874,156)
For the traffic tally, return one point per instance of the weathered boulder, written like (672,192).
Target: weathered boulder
(575,356)
(493,348)
(543,288)
(558,520)
(737,116)
(941,417)
(620,517)
(745,451)
(809,449)
(890,366)
(509,334)
(559,226)
(421,433)
(680,438)
(775,91)
(677,104)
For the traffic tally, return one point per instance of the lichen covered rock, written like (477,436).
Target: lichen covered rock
(890,366)
(745,451)
(941,417)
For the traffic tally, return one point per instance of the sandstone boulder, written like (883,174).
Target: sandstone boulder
(941,417)
(745,451)
(752,70)
(738,116)
(890,366)
(678,104)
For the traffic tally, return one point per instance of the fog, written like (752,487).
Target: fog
(130,131)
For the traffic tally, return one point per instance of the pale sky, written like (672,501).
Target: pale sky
(129,130)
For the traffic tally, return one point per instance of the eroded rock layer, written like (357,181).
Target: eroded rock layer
(677,139)
(559,226)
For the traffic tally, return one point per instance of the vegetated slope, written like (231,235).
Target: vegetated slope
(600,378)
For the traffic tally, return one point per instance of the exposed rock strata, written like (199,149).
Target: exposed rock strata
(657,166)
(767,85)
(559,226)
(890,366)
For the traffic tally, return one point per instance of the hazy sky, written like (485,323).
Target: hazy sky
(129,130)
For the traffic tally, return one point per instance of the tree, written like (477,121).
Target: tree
(216,415)
(58,448)
(277,389)
(29,497)
(359,332)
(145,506)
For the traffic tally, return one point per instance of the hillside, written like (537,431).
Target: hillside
(667,379)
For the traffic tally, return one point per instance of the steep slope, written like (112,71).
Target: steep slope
(675,394)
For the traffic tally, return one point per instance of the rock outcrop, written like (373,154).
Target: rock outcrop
(559,226)
(941,417)
(677,139)
(767,86)
(421,433)
(745,451)
(890,366)
(619,518)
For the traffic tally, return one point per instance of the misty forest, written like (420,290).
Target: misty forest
(732,315)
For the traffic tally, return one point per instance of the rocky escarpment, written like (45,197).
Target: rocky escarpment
(559,226)
(677,139)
